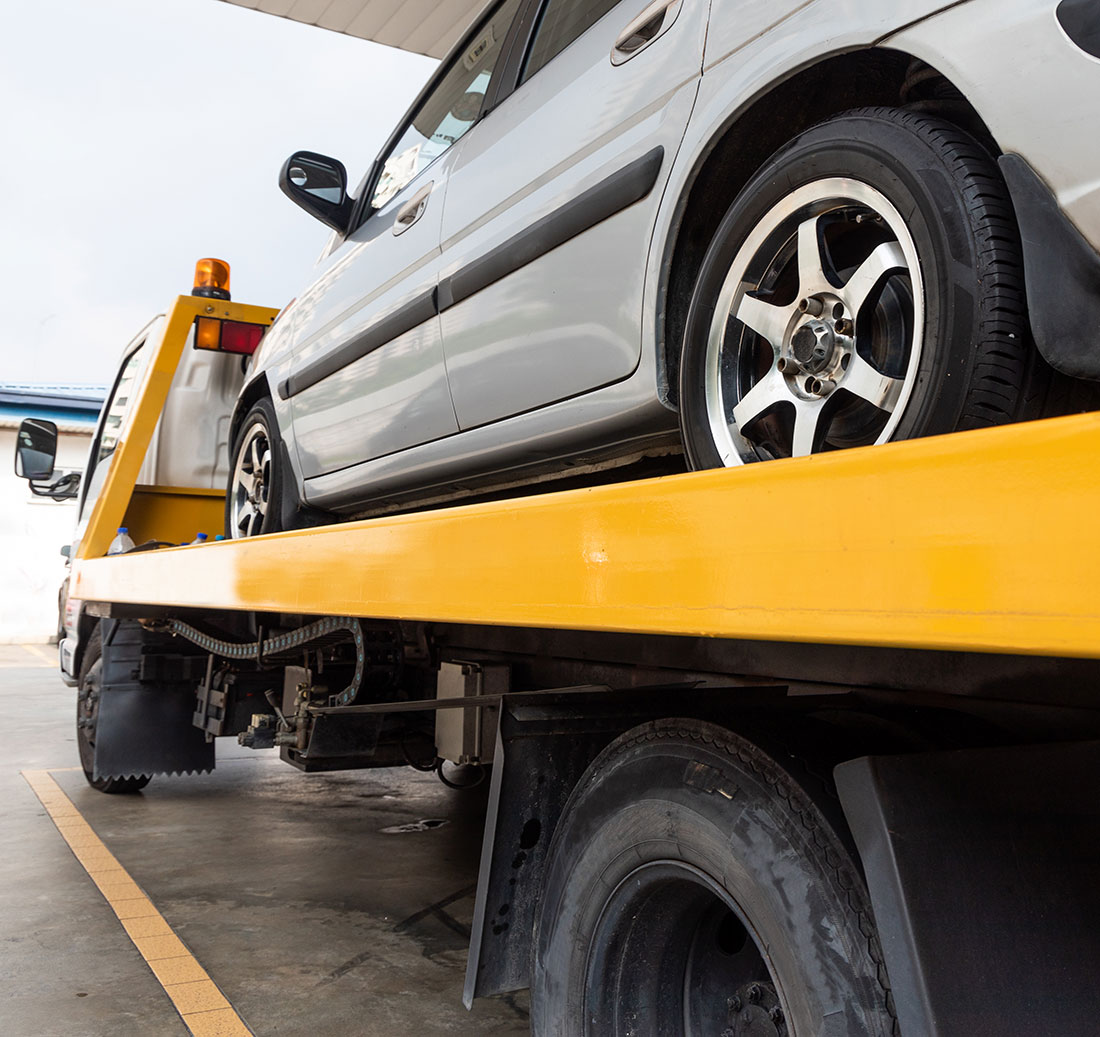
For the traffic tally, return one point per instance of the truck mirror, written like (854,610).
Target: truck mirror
(35,449)
(318,184)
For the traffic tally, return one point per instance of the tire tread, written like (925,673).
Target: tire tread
(800,806)
(1002,341)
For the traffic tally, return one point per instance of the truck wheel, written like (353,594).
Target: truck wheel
(866,285)
(254,496)
(692,887)
(87,718)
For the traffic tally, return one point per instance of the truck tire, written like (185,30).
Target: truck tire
(87,719)
(253,500)
(694,887)
(866,285)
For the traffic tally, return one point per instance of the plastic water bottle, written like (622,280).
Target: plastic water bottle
(200,539)
(121,542)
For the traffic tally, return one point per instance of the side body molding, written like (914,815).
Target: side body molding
(617,192)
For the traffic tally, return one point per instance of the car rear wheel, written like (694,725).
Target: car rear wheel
(694,887)
(253,498)
(865,286)
(87,721)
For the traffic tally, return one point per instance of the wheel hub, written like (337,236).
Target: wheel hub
(818,350)
(813,346)
(754,1012)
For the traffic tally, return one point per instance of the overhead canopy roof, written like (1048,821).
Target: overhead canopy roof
(422,26)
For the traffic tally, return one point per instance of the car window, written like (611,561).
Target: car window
(449,110)
(560,23)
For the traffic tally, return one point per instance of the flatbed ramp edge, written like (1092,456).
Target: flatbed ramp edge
(980,862)
(979,541)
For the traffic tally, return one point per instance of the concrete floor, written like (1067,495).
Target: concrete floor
(307,916)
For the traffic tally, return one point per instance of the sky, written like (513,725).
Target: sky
(141,135)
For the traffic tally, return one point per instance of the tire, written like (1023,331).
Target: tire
(253,499)
(683,852)
(865,286)
(87,719)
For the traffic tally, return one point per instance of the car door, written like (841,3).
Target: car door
(367,376)
(551,203)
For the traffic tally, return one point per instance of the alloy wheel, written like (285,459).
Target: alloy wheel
(816,336)
(249,488)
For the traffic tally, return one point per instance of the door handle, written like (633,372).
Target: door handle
(655,19)
(412,210)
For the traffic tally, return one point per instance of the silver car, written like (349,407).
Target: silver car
(733,230)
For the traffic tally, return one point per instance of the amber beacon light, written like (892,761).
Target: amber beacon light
(211,279)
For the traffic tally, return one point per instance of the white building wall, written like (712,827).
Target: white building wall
(32,531)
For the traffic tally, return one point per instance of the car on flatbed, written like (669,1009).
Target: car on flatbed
(609,231)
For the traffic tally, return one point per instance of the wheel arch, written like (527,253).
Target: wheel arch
(752,134)
(546,740)
(255,390)
(295,513)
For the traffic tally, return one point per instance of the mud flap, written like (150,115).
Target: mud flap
(146,706)
(982,866)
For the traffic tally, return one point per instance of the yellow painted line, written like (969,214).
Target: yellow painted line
(48,657)
(202,1006)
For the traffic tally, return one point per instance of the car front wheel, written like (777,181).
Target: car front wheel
(866,285)
(253,498)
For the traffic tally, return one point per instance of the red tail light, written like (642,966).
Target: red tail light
(228,336)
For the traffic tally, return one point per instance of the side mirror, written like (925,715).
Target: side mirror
(35,449)
(319,185)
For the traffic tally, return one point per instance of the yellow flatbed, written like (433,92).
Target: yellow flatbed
(979,541)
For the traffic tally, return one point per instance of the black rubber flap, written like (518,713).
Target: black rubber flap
(984,873)
(143,731)
(144,726)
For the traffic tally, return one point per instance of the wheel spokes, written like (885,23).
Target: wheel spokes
(254,455)
(811,267)
(768,321)
(246,481)
(807,414)
(243,518)
(868,383)
(766,393)
(887,259)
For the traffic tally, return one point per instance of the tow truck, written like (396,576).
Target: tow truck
(756,767)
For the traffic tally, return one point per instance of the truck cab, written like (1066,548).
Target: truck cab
(186,463)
